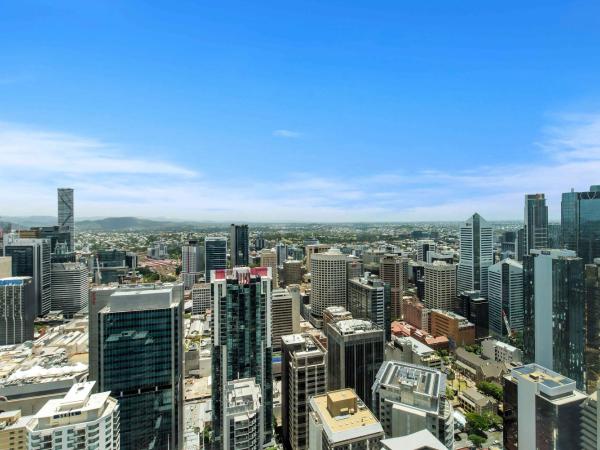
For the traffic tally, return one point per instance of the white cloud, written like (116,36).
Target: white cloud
(287,134)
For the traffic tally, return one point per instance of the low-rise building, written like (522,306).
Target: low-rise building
(477,368)
(335,314)
(472,401)
(457,328)
(500,351)
(408,349)
(415,313)
(340,420)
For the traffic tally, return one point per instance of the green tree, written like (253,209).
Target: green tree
(449,393)
(492,389)
(477,440)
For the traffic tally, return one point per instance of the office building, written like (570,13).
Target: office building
(13,430)
(17,310)
(554,235)
(192,262)
(425,246)
(5,266)
(335,314)
(354,354)
(136,353)
(80,420)
(542,410)
(303,375)
(238,235)
(500,351)
(393,269)
(440,285)
(536,222)
(215,254)
(410,350)
(328,282)
(340,420)
(201,298)
(508,243)
(415,313)
(241,342)
(476,255)
(354,268)
(580,223)
(241,426)
(521,244)
(70,287)
(281,250)
(590,422)
(66,214)
(292,272)
(268,258)
(421,440)
(592,326)
(59,237)
(409,398)
(31,258)
(369,298)
(285,316)
(554,312)
(505,297)
(456,328)
(313,249)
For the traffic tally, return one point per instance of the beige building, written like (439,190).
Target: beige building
(440,285)
(285,316)
(329,282)
(13,431)
(268,258)
(313,249)
(5,266)
(340,420)
(393,269)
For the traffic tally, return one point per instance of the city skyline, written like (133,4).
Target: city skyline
(339,114)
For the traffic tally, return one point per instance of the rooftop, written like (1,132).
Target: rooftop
(421,440)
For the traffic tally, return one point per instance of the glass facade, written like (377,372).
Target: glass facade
(242,349)
(580,223)
(140,361)
(215,253)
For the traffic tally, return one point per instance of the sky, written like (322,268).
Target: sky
(308,110)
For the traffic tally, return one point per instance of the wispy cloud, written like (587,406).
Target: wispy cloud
(287,134)
(110,180)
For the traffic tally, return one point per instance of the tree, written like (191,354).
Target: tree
(477,440)
(492,389)
(449,393)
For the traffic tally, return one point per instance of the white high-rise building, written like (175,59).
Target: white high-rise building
(476,255)
(505,296)
(440,285)
(329,282)
(80,420)
(70,287)
(66,214)
(241,424)
(192,262)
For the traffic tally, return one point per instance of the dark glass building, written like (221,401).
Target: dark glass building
(370,298)
(241,343)
(554,312)
(17,310)
(580,223)
(215,254)
(239,245)
(536,222)
(136,352)
(354,355)
(31,258)
(592,326)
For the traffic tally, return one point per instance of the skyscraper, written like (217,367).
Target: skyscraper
(241,427)
(425,246)
(536,222)
(590,422)
(542,410)
(369,298)
(554,312)
(66,214)
(17,310)
(440,285)
(215,254)
(354,354)
(239,245)
(505,297)
(31,258)
(268,258)
(70,287)
(580,223)
(329,284)
(409,398)
(393,269)
(241,342)
(192,262)
(476,255)
(136,352)
(592,326)
(285,316)
(303,375)
(282,253)
(201,298)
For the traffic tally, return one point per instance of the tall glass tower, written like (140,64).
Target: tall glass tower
(536,222)
(476,255)
(241,343)
(239,245)
(66,214)
(136,352)
(580,223)
(215,254)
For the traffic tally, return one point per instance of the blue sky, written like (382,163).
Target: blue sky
(311,110)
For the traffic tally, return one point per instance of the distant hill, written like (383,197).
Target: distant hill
(127,223)
(28,221)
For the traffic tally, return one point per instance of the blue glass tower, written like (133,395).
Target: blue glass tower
(580,223)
